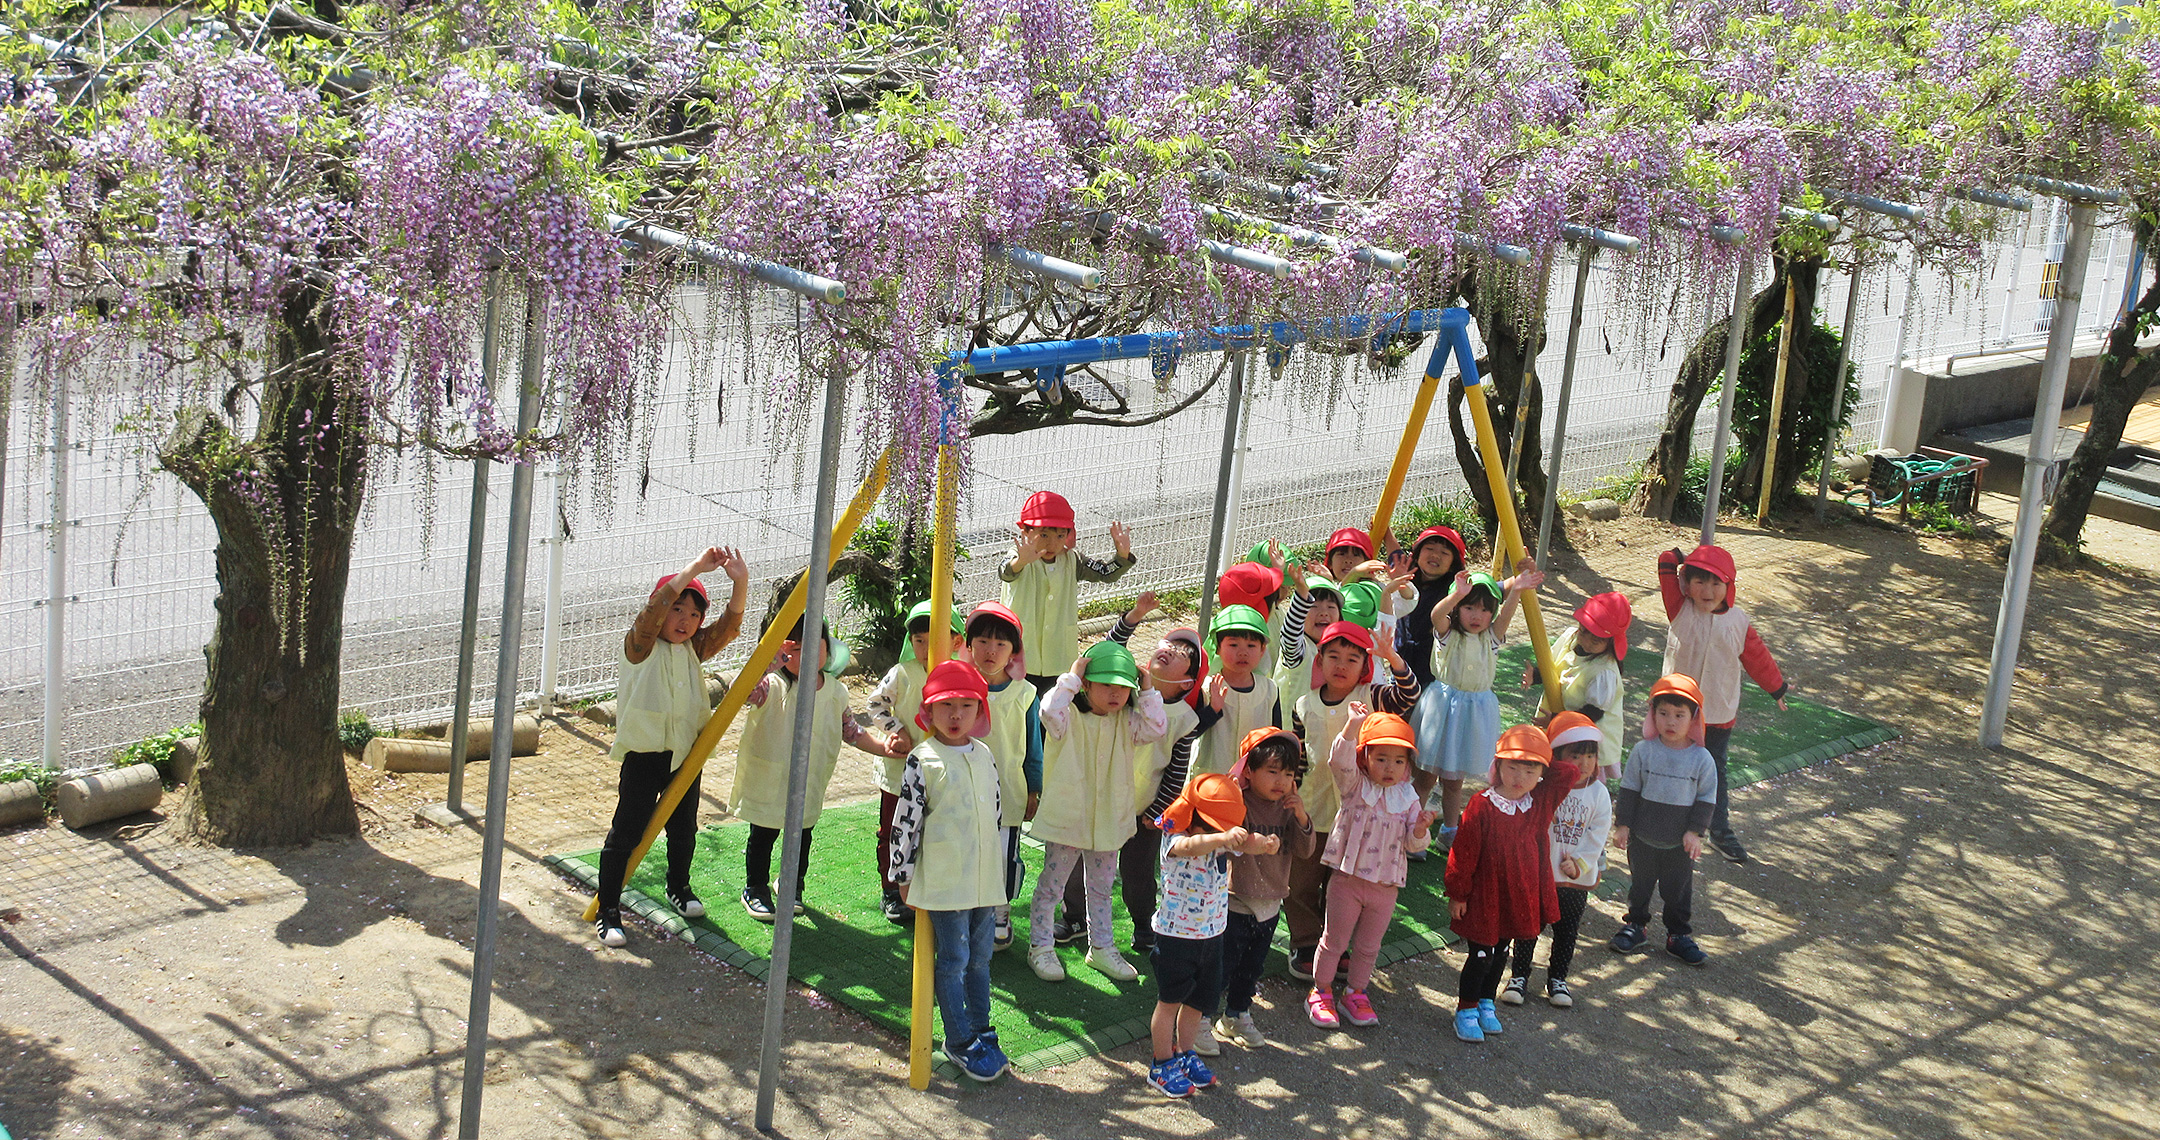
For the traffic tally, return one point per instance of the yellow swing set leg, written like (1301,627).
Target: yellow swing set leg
(941,602)
(761,659)
(1509,540)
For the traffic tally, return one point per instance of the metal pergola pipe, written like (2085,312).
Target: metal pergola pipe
(1827,223)
(660,238)
(1368,255)
(1902,211)
(1057,268)
(1981,195)
(1512,254)
(1054,354)
(1603,239)
(1106,221)
(2074,191)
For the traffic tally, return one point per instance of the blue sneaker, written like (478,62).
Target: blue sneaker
(985,1061)
(1196,1070)
(1467,1027)
(1682,947)
(1169,1078)
(1630,940)
(1488,1018)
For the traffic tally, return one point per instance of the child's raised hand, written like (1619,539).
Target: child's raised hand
(1384,649)
(1461,589)
(1292,572)
(1527,576)
(707,561)
(1217,691)
(1370,568)
(1142,606)
(1358,713)
(1274,554)
(756,699)
(1080,665)
(1121,537)
(737,567)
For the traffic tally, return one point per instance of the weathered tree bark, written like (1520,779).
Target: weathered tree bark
(271,771)
(2125,373)
(1665,472)
(1508,323)
(1805,274)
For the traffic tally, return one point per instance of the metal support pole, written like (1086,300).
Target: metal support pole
(1217,536)
(8,316)
(1736,334)
(808,676)
(56,595)
(531,374)
(475,539)
(1837,389)
(1529,390)
(2039,475)
(1567,389)
(551,614)
(1777,405)
(1231,551)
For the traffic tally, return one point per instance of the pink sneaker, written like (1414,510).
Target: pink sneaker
(1320,1007)
(1357,1009)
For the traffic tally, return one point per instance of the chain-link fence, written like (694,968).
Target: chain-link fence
(140,580)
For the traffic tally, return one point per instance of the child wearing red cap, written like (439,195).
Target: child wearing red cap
(763,757)
(1590,654)
(996,649)
(1380,822)
(661,707)
(1499,883)
(1270,760)
(1712,640)
(892,707)
(1668,796)
(1437,554)
(1580,827)
(1041,581)
(1337,678)
(948,855)
(1457,728)
(1199,832)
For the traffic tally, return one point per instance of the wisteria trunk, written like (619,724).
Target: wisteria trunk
(272,772)
(2125,373)
(1664,474)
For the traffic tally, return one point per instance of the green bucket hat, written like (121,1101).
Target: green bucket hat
(1111,664)
(1259,553)
(1361,604)
(1319,585)
(1480,580)
(1237,619)
(921,609)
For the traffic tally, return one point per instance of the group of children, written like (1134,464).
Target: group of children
(1285,766)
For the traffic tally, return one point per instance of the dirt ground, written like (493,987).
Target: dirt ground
(1934,940)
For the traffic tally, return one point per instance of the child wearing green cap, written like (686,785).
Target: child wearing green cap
(1245,699)
(892,706)
(1461,727)
(1095,721)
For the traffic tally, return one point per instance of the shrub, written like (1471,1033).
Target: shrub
(35,772)
(157,750)
(879,596)
(354,731)
(1458,510)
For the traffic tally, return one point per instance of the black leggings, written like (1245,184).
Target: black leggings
(1718,741)
(758,861)
(645,777)
(1481,974)
(1246,943)
(1572,901)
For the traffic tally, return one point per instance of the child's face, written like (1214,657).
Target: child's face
(1342,665)
(1673,721)
(1271,781)
(1476,614)
(1058,537)
(1519,777)
(683,619)
(920,643)
(1238,654)
(1325,611)
(1584,755)
(1168,670)
(1104,698)
(1705,591)
(952,720)
(1387,764)
(992,656)
(1436,558)
(1342,560)
(790,657)
(1588,644)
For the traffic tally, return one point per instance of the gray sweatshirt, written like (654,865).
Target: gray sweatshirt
(1666,793)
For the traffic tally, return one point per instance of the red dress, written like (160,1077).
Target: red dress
(1498,864)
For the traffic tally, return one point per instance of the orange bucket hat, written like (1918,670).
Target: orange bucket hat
(1572,727)
(1522,742)
(1384,728)
(1212,798)
(1255,739)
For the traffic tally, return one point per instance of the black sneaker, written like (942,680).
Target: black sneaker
(1066,933)
(1512,993)
(685,903)
(1728,845)
(896,912)
(1301,963)
(1684,948)
(758,905)
(1630,940)
(609,927)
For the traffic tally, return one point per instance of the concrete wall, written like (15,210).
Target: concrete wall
(1932,400)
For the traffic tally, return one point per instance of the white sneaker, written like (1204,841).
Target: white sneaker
(1111,964)
(1044,961)
(1204,1042)
(1240,1029)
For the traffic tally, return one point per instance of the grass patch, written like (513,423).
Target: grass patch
(1170,603)
(157,750)
(354,731)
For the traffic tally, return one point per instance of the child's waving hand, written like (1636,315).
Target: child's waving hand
(1121,537)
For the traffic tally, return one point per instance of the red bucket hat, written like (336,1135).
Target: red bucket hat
(1353,537)
(1046,508)
(1717,562)
(1249,584)
(1349,631)
(953,680)
(692,587)
(1607,616)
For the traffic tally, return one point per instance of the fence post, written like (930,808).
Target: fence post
(56,595)
(1218,537)
(551,615)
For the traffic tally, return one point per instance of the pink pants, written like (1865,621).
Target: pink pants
(1358,912)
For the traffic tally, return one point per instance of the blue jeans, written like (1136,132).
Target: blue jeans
(964,941)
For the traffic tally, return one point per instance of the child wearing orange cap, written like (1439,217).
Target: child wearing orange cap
(1041,581)
(1202,828)
(1380,822)
(1499,884)
(1580,827)
(1590,654)
(1668,796)
(661,707)
(948,855)
(1713,641)
(1269,762)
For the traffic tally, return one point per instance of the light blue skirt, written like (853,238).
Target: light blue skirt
(1456,731)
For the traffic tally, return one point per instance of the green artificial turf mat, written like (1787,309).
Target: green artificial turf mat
(844,948)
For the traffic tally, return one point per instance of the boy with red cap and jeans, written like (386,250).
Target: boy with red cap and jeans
(1712,641)
(1041,581)
(1666,798)
(662,707)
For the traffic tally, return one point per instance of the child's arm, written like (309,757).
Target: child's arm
(645,628)
(1149,722)
(1445,606)
(1094,570)
(1128,623)
(1419,836)
(715,636)
(907,825)
(1236,839)
(1054,713)
(1527,577)
(898,738)
(1462,862)
(1031,768)
(1629,797)
(1668,581)
(1560,779)
(1401,696)
(1342,755)
(1302,837)
(1172,780)
(1293,630)
(1703,810)
(1762,668)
